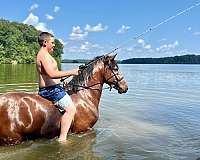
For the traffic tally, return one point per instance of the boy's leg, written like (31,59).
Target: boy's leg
(66,121)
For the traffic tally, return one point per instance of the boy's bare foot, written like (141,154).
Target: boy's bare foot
(64,142)
(61,140)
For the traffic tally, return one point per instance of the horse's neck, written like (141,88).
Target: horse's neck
(94,86)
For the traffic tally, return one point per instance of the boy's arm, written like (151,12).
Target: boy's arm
(52,73)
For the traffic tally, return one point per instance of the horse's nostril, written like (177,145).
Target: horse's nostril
(126,89)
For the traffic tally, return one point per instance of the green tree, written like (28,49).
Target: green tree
(18,43)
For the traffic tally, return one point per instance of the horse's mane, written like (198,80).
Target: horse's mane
(85,74)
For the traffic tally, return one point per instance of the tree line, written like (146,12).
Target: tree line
(19,43)
(185,59)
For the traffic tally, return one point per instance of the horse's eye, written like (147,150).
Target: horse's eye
(115,68)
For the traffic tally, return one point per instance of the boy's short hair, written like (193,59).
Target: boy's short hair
(44,36)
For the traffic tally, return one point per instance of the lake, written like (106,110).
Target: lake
(157,119)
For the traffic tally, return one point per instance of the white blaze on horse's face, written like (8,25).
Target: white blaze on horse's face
(113,76)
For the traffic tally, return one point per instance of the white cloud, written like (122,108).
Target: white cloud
(97,28)
(167,46)
(87,46)
(123,29)
(176,43)
(162,40)
(144,45)
(82,47)
(148,46)
(189,28)
(78,36)
(77,29)
(161,47)
(77,33)
(49,17)
(186,51)
(141,41)
(34,21)
(141,47)
(31,19)
(56,9)
(61,41)
(43,27)
(130,49)
(196,33)
(34,6)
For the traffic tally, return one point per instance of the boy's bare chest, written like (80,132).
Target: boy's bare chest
(53,63)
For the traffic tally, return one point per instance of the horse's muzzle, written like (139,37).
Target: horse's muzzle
(122,87)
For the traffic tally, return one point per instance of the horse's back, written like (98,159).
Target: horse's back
(25,115)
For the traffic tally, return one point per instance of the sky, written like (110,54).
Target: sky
(89,28)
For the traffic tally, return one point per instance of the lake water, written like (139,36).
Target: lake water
(157,119)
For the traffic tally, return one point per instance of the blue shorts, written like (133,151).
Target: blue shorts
(57,95)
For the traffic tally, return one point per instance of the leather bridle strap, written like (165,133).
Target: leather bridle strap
(117,80)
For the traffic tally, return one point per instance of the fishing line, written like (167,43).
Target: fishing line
(144,33)
(155,27)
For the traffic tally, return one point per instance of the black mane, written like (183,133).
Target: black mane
(86,74)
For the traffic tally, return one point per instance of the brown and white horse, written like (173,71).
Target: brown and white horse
(29,116)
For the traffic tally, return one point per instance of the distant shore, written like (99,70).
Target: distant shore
(185,59)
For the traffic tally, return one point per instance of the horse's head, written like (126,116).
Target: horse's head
(106,67)
(112,76)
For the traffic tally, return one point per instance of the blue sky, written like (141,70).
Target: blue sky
(89,28)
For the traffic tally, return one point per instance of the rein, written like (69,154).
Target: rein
(115,85)
(86,87)
(116,82)
(107,80)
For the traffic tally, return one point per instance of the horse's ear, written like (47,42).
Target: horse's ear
(110,58)
(113,57)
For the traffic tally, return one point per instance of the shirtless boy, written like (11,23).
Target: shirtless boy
(49,79)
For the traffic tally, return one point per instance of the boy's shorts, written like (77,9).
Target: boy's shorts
(57,95)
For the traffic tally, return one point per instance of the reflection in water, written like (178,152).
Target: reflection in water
(77,147)
(21,77)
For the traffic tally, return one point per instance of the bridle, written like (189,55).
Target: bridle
(113,84)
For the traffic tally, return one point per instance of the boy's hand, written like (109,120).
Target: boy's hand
(75,71)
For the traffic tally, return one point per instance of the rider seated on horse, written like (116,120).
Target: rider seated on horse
(49,79)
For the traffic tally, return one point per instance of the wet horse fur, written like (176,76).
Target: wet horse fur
(29,116)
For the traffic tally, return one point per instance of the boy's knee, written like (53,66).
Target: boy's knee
(71,109)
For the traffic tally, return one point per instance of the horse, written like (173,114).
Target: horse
(25,116)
